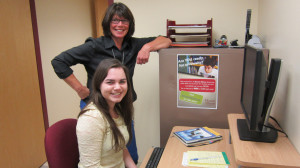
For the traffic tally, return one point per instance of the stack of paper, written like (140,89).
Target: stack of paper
(198,136)
(207,159)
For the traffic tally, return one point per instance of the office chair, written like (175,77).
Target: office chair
(61,144)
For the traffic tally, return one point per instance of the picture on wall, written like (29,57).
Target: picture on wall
(197,81)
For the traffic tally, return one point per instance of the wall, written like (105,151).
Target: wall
(62,25)
(278,28)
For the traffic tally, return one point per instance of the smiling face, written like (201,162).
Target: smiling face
(119,27)
(114,87)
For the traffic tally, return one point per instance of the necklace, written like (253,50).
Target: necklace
(115,56)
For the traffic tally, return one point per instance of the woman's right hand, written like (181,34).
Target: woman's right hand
(83,92)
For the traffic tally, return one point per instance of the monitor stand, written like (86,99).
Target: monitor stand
(247,135)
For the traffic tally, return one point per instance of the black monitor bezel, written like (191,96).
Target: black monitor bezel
(253,116)
(253,127)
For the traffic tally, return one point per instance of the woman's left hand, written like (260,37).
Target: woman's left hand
(143,56)
(159,43)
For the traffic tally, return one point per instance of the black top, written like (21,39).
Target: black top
(93,51)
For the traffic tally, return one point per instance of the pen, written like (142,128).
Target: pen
(201,158)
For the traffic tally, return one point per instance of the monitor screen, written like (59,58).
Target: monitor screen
(255,89)
(253,86)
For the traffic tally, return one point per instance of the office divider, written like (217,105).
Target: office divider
(230,68)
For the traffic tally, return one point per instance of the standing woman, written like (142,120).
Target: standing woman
(104,125)
(118,27)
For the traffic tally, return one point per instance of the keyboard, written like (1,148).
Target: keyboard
(155,157)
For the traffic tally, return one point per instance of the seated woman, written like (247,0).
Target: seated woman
(103,127)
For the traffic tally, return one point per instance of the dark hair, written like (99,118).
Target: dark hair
(121,10)
(210,61)
(125,107)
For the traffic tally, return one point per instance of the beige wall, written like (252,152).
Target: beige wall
(279,31)
(67,23)
(62,25)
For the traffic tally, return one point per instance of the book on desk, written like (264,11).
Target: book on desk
(198,136)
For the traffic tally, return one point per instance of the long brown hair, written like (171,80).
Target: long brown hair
(125,107)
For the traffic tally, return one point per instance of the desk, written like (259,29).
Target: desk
(280,154)
(172,156)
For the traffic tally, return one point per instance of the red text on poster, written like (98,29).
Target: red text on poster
(197,85)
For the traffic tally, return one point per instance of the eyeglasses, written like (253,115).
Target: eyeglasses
(117,21)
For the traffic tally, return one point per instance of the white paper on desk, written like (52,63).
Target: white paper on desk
(185,159)
(185,163)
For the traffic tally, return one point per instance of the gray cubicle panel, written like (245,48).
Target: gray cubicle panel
(229,90)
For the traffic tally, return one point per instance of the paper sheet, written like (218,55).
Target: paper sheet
(185,162)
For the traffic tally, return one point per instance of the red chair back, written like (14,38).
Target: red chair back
(61,144)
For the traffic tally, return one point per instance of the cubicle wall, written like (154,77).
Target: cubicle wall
(229,90)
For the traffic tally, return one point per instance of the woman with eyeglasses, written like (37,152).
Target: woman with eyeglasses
(104,125)
(118,27)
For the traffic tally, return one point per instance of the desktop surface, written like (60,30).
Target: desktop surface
(280,154)
(173,152)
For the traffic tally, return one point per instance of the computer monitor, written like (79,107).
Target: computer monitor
(258,91)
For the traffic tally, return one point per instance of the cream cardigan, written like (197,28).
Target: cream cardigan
(95,140)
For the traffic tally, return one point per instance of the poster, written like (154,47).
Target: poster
(197,80)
